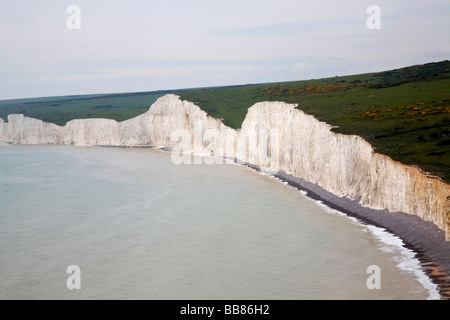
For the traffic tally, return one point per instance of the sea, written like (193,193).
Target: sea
(130,223)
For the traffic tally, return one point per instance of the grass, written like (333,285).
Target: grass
(60,110)
(404,113)
(408,122)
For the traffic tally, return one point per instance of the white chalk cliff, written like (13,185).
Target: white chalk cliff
(274,136)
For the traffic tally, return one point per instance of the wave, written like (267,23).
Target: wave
(405,258)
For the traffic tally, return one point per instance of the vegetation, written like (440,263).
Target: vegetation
(59,110)
(404,113)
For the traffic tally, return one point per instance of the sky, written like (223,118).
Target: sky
(136,45)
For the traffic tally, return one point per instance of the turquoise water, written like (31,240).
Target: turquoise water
(140,227)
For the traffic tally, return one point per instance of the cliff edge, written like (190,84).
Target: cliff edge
(274,136)
(348,166)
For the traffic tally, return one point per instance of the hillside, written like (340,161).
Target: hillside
(404,113)
(60,110)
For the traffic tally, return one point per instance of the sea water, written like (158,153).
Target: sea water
(138,226)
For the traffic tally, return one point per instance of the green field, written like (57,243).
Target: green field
(59,110)
(404,113)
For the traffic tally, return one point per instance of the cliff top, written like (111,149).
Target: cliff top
(404,113)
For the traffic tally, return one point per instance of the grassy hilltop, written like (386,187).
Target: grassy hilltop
(404,113)
(60,110)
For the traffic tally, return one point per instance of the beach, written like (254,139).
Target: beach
(424,238)
(132,219)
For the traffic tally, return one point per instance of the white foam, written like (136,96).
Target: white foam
(404,257)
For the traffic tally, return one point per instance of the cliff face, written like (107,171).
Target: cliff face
(154,128)
(347,165)
(20,129)
(168,119)
(274,136)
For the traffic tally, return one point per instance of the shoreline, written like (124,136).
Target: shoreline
(423,238)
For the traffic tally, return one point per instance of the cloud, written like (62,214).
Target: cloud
(173,43)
